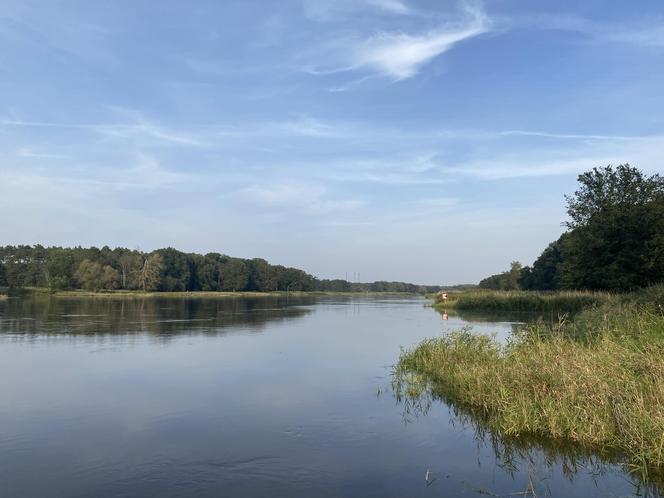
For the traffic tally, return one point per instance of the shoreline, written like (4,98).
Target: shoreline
(121,294)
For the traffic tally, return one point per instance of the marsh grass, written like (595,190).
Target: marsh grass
(596,381)
(496,301)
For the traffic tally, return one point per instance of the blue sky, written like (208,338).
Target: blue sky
(426,141)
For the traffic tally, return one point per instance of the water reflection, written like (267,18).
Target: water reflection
(538,458)
(176,397)
(163,317)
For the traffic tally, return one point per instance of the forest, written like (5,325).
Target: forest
(614,239)
(164,270)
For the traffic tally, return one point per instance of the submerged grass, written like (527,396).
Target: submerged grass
(597,381)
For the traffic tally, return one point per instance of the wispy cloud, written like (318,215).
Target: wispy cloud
(326,10)
(644,33)
(140,128)
(30,153)
(532,161)
(394,6)
(305,197)
(570,136)
(397,55)
(400,55)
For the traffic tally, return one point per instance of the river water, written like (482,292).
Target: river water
(248,397)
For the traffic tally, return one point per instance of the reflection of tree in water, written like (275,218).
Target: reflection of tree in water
(537,457)
(162,317)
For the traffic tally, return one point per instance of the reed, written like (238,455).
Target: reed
(559,301)
(596,381)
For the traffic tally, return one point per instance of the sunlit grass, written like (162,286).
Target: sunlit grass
(564,301)
(597,381)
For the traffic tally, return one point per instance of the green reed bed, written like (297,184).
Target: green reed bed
(597,381)
(563,301)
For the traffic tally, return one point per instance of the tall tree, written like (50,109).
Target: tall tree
(616,222)
(89,275)
(150,272)
(234,275)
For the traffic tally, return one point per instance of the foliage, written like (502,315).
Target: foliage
(508,280)
(166,270)
(614,241)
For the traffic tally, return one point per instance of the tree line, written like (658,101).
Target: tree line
(614,239)
(165,270)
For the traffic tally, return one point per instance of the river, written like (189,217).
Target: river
(248,397)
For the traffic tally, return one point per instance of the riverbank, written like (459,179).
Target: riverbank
(121,294)
(496,301)
(596,381)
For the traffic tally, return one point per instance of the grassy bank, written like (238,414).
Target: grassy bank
(597,381)
(564,301)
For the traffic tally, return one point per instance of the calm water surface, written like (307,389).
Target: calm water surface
(245,397)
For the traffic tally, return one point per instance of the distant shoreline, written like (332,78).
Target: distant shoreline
(40,291)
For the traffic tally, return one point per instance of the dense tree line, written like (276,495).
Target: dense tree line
(509,280)
(614,239)
(165,270)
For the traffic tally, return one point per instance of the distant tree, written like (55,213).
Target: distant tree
(508,280)
(110,278)
(129,263)
(164,269)
(59,268)
(194,262)
(261,276)
(544,274)
(3,275)
(233,275)
(150,272)
(175,270)
(89,275)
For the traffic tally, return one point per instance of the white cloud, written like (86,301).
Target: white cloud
(400,56)
(395,54)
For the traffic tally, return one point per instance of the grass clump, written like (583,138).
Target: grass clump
(597,381)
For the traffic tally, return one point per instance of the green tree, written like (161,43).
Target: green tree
(544,274)
(88,275)
(3,274)
(150,272)
(174,271)
(261,275)
(616,224)
(129,265)
(110,278)
(234,275)
(508,280)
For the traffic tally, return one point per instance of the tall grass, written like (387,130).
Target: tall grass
(562,301)
(597,381)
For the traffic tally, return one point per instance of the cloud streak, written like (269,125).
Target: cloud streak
(400,55)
